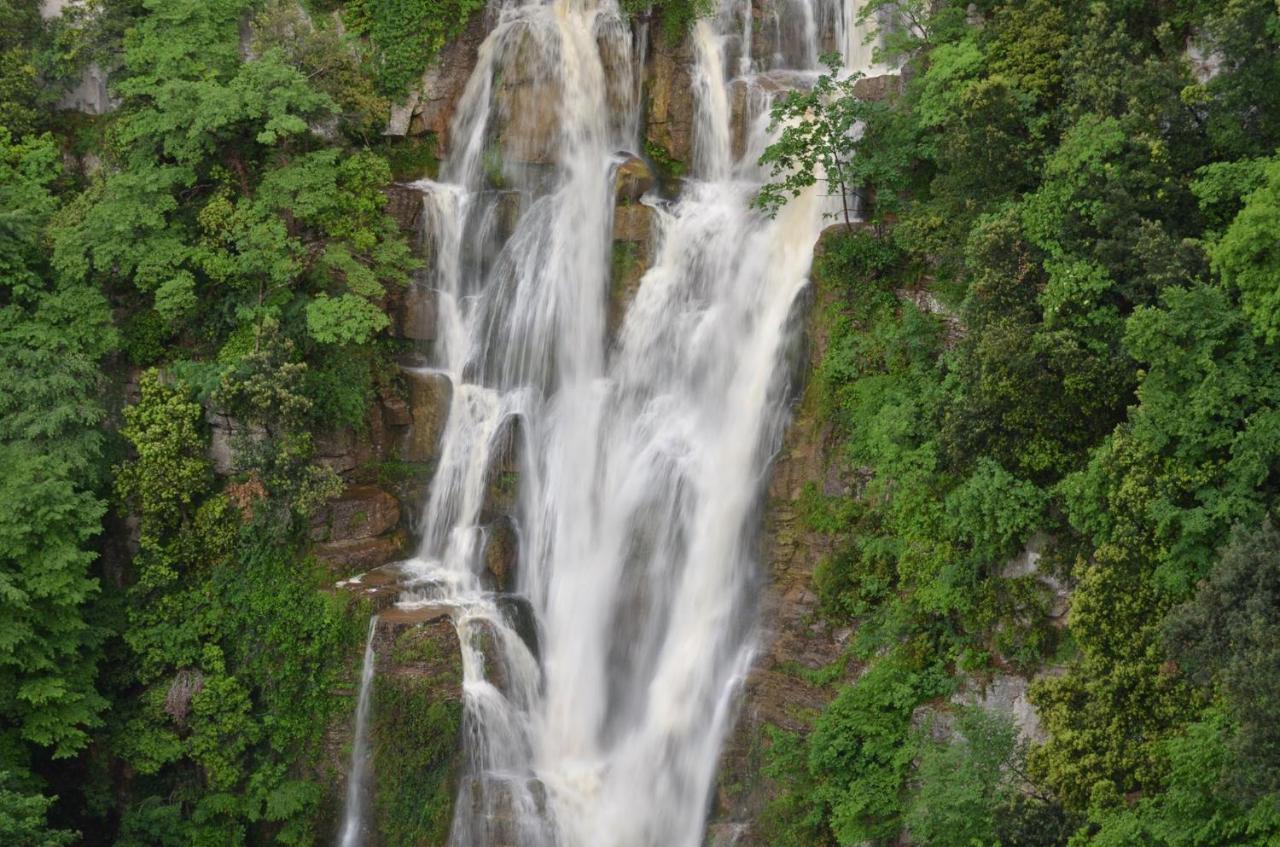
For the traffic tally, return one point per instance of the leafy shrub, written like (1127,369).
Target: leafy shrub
(407,34)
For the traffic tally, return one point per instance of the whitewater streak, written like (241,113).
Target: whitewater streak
(641,458)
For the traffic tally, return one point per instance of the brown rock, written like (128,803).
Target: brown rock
(527,100)
(362,511)
(378,587)
(404,206)
(487,641)
(633,252)
(503,477)
(669,99)
(417,319)
(429,397)
(436,98)
(361,554)
(878,87)
(501,553)
(631,261)
(632,180)
(336,450)
(395,410)
(633,223)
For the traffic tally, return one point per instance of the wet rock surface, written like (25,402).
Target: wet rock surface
(881,87)
(527,100)
(416,318)
(669,103)
(404,206)
(362,511)
(634,232)
(501,553)
(430,395)
(343,557)
(632,180)
(415,726)
(503,477)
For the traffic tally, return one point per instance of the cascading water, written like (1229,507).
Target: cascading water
(352,832)
(640,459)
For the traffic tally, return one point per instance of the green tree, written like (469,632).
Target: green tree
(859,751)
(407,34)
(22,818)
(1199,805)
(52,335)
(47,666)
(19,91)
(816,143)
(1246,255)
(971,788)
(1228,638)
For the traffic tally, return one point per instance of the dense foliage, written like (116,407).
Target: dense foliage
(168,667)
(1057,329)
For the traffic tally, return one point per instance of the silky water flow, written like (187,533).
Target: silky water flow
(600,687)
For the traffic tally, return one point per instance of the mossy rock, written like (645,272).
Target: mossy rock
(415,729)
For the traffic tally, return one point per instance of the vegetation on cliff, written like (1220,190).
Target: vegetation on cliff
(1059,324)
(167,664)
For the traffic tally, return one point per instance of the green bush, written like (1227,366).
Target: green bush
(407,34)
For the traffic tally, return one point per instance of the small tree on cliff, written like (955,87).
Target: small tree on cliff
(819,141)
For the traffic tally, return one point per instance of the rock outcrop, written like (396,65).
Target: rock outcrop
(358,530)
(634,230)
(430,395)
(877,88)
(668,102)
(429,108)
(415,726)
(414,731)
(527,119)
(502,478)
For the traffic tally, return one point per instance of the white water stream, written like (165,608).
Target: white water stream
(353,824)
(640,459)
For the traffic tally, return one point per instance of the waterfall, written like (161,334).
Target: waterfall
(599,687)
(352,831)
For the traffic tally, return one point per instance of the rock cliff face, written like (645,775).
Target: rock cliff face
(633,237)
(415,726)
(668,102)
(802,661)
